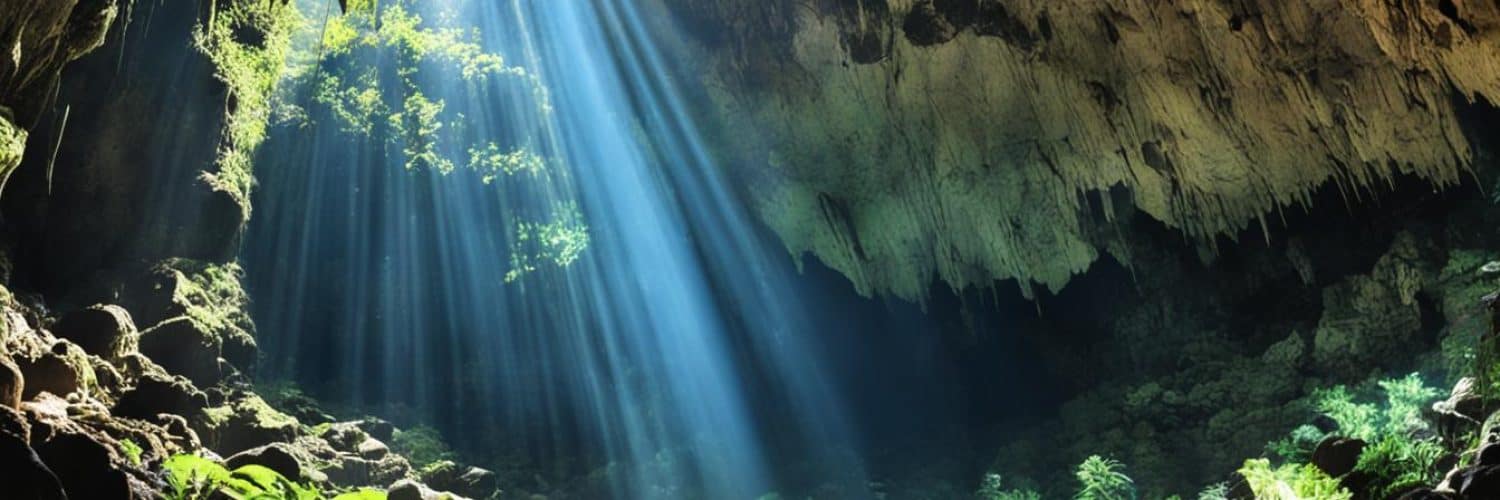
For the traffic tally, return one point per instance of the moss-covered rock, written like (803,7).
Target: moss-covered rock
(244,422)
(12,147)
(106,331)
(183,347)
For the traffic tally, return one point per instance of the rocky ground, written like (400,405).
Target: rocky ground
(94,400)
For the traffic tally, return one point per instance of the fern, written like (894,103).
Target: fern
(1356,420)
(1103,479)
(1291,482)
(191,477)
(992,488)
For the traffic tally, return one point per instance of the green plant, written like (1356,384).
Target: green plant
(1405,399)
(191,477)
(1397,461)
(423,446)
(1216,491)
(1103,479)
(1298,445)
(1356,420)
(1291,482)
(132,451)
(993,488)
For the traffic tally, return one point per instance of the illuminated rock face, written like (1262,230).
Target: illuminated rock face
(973,140)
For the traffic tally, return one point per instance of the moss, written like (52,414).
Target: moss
(1291,482)
(12,147)
(252,72)
(423,446)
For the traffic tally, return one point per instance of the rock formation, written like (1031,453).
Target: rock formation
(968,141)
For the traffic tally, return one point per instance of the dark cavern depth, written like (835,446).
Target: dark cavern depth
(750,249)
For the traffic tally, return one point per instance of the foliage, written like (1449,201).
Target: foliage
(1405,399)
(212,294)
(1103,479)
(418,126)
(1393,458)
(992,488)
(1398,461)
(252,72)
(1291,482)
(1355,420)
(559,241)
(491,162)
(191,477)
(132,451)
(423,446)
(1216,491)
(1298,445)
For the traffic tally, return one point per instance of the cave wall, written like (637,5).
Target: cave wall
(968,141)
(122,158)
(38,39)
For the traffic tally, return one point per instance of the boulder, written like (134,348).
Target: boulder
(1489,454)
(240,350)
(1337,456)
(87,462)
(158,393)
(354,471)
(244,422)
(1462,410)
(1478,482)
(407,489)
(26,476)
(156,295)
(184,348)
(102,330)
(445,475)
(345,436)
(178,429)
(377,428)
(61,370)
(279,457)
(373,449)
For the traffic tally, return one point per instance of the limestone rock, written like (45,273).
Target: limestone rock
(278,457)
(467,481)
(85,460)
(244,422)
(407,489)
(26,476)
(352,471)
(903,142)
(1337,456)
(184,348)
(11,383)
(160,393)
(373,449)
(102,330)
(61,370)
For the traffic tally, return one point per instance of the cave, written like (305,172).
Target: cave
(749,249)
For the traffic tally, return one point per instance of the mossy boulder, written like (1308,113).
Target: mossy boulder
(158,393)
(62,369)
(183,347)
(245,421)
(106,331)
(279,457)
